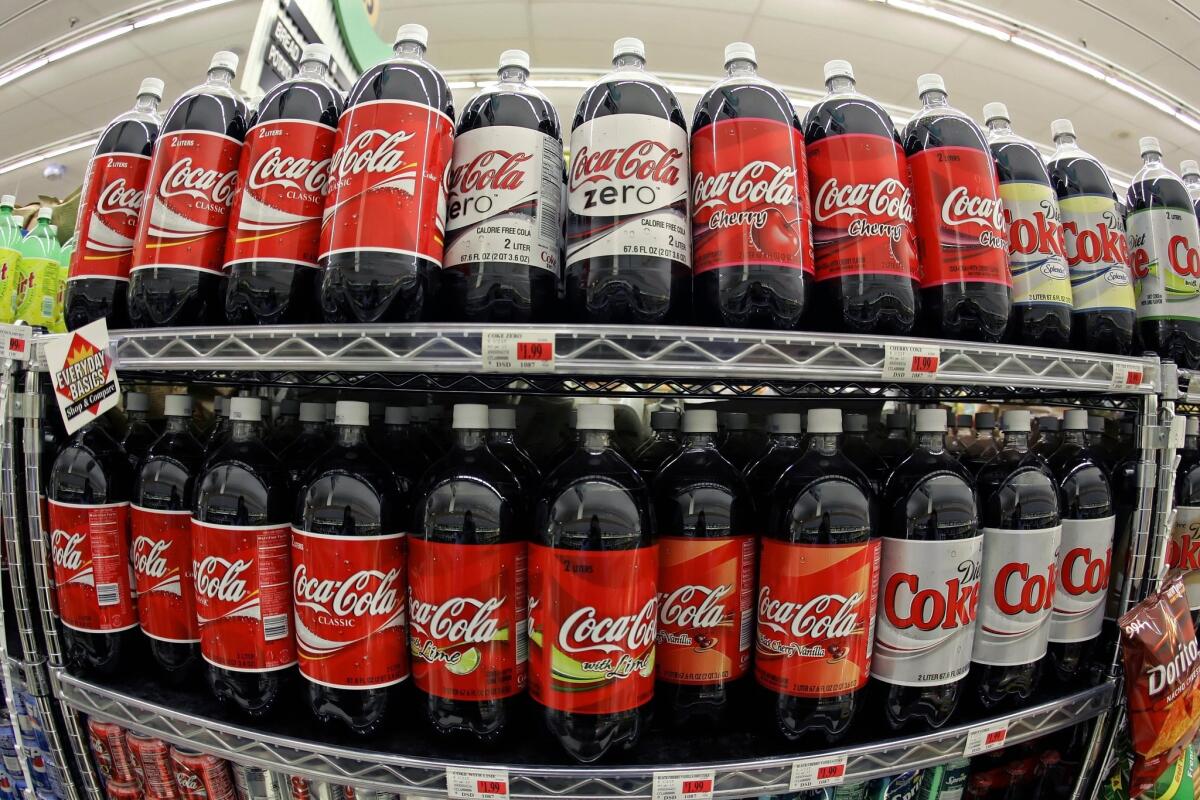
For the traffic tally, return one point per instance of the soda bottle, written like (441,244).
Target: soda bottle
(984,447)
(752,251)
(1164,260)
(896,447)
(1189,173)
(87,496)
(784,447)
(10,254)
(163,493)
(1041,284)
(179,248)
(313,440)
(737,442)
(961,244)
(861,453)
(502,442)
(421,432)
(628,256)
(218,434)
(1049,438)
(381,241)
(705,580)
(114,188)
(1183,551)
(398,438)
(139,435)
(953,442)
(38,274)
(65,254)
(503,231)
(593,576)
(241,549)
(286,427)
(663,443)
(1022,527)
(866,246)
(930,584)
(275,222)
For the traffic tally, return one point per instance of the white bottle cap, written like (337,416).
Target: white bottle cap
(993,111)
(735,420)
(289,407)
(312,412)
(1149,144)
(152,86)
(1017,420)
(699,420)
(628,46)
(784,423)
(740,51)
(1061,126)
(1193,426)
(1076,419)
(1189,167)
(930,82)
(825,420)
(245,409)
(595,417)
(221,405)
(177,405)
(470,416)
(502,419)
(515,58)
(316,52)
(136,401)
(395,415)
(8,200)
(838,69)
(412,32)
(224,59)
(352,412)
(930,420)
(45,213)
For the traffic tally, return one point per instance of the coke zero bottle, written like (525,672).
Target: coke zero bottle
(784,447)
(752,252)
(663,444)
(502,442)
(1183,551)
(179,249)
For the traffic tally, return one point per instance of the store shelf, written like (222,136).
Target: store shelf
(172,716)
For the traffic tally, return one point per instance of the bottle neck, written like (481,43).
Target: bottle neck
(243,430)
(513,74)
(594,441)
(146,104)
(348,435)
(469,438)
(897,433)
(395,428)
(1000,126)
(741,68)
(503,436)
(935,98)
(412,50)
(785,440)
(1072,436)
(1191,441)
(1191,181)
(933,441)
(313,70)
(1066,141)
(136,416)
(220,76)
(1016,440)
(700,439)
(841,84)
(824,443)
(312,427)
(177,424)
(1152,160)
(628,61)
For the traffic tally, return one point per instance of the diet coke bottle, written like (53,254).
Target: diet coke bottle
(381,240)
(114,188)
(275,224)
(179,249)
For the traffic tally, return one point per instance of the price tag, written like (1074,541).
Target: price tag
(813,773)
(684,785)
(911,362)
(1127,376)
(986,738)
(476,784)
(528,350)
(14,342)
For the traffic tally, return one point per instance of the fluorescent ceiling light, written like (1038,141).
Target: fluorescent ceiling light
(1145,97)
(1059,56)
(58,151)
(23,70)
(1188,119)
(953,19)
(90,41)
(163,16)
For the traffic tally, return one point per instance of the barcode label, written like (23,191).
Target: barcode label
(275,627)
(746,636)
(550,194)
(107,594)
(47,306)
(522,642)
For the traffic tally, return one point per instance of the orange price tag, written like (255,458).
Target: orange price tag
(476,784)
(910,363)
(814,773)
(517,350)
(990,736)
(684,785)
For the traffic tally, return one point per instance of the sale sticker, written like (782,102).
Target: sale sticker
(518,350)
(14,342)
(913,363)
(1126,376)
(82,373)
(684,785)
(814,773)
(476,784)
(985,738)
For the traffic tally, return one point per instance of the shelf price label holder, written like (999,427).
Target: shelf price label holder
(14,342)
(684,784)
(517,350)
(1127,375)
(911,363)
(83,374)
(476,784)
(815,773)
(985,738)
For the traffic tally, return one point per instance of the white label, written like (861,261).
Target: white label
(82,373)
(1035,244)
(1016,595)
(684,785)
(477,784)
(504,196)
(1164,263)
(1097,253)
(1084,566)
(985,738)
(911,362)
(813,773)
(14,342)
(1183,551)
(507,350)
(1127,376)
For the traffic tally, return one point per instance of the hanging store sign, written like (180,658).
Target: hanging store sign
(82,374)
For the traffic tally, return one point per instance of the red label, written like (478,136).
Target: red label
(162,568)
(959,216)
(592,618)
(349,596)
(282,179)
(387,186)
(749,198)
(192,184)
(467,611)
(108,216)
(243,595)
(862,207)
(535,351)
(705,609)
(816,617)
(90,550)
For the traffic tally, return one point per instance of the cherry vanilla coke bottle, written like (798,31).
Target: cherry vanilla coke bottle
(179,249)
(381,240)
(114,188)
(752,259)
(593,577)
(965,283)
(275,224)
(242,553)
(628,255)
(865,243)
(503,224)
(348,581)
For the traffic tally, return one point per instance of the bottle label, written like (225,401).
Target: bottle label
(862,207)
(284,174)
(1097,253)
(349,597)
(244,595)
(705,609)
(1035,245)
(387,189)
(816,617)
(192,183)
(9,259)
(628,189)
(1165,263)
(592,626)
(89,545)
(1016,595)
(1183,551)
(927,624)
(749,198)
(505,188)
(1085,562)
(108,215)
(467,619)
(959,216)
(162,569)
(38,281)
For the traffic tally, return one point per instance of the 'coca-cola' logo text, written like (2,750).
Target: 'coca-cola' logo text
(758,182)
(491,170)
(221,579)
(361,154)
(1082,573)
(693,606)
(645,160)
(465,620)
(584,630)
(368,592)
(825,616)
(1103,243)
(962,208)
(273,168)
(149,556)
(185,178)
(1020,590)
(888,199)
(120,198)
(954,604)
(66,552)
(1041,233)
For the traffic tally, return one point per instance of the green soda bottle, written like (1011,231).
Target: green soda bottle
(10,254)
(65,251)
(38,274)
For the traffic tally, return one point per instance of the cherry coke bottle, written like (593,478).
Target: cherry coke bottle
(865,243)
(503,224)
(929,580)
(1022,528)
(818,584)
(752,253)
(381,240)
(114,188)
(466,598)
(275,224)
(179,249)
(1041,284)
(593,578)
(347,556)
(1164,260)
(965,283)
(241,546)
(628,256)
